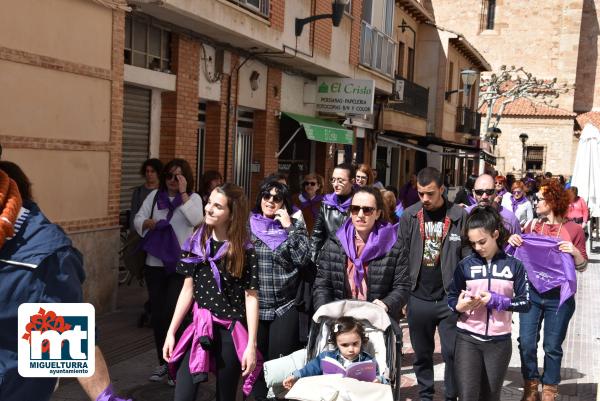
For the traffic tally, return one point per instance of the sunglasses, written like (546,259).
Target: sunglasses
(171,176)
(276,198)
(367,210)
(517,192)
(480,192)
(311,183)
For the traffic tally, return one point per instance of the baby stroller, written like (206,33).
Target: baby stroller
(385,342)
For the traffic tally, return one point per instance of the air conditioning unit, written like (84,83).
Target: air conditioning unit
(399,90)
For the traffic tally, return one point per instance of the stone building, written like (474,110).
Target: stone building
(557,38)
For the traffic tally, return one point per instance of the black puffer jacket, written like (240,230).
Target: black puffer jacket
(328,222)
(387,280)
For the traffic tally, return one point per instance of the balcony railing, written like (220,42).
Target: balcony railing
(467,121)
(412,99)
(377,50)
(260,7)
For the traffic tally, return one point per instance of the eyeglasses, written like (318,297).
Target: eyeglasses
(480,192)
(276,198)
(367,210)
(337,180)
(541,199)
(311,183)
(171,176)
(362,177)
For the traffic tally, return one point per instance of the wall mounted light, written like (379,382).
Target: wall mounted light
(337,12)
(254,80)
(468,78)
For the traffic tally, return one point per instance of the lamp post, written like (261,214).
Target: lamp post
(468,78)
(493,134)
(524,137)
(337,12)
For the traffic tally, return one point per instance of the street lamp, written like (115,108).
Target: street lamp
(468,78)
(337,12)
(493,134)
(524,137)
(404,26)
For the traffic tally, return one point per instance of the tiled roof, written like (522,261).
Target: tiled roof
(592,117)
(528,108)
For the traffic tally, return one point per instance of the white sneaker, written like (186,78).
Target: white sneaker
(171,382)
(158,374)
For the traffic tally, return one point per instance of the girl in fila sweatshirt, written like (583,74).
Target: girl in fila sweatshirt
(488,286)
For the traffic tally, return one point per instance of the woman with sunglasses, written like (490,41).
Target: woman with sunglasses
(282,250)
(221,288)
(165,220)
(362,261)
(500,185)
(547,306)
(518,203)
(309,200)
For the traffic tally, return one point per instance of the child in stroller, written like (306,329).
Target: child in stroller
(349,337)
(383,346)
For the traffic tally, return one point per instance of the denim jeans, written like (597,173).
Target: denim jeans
(544,307)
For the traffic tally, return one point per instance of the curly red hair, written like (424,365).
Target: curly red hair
(556,197)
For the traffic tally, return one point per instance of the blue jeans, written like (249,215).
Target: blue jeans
(544,307)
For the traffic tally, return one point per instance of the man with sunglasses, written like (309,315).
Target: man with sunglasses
(334,208)
(430,234)
(484,192)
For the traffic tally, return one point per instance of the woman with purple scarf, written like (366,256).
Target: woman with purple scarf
(309,200)
(518,203)
(551,249)
(282,250)
(221,288)
(165,220)
(362,261)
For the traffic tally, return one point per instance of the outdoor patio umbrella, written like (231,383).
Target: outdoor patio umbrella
(586,173)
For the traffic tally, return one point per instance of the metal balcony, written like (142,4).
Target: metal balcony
(410,98)
(468,121)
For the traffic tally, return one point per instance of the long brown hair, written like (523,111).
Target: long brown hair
(237,231)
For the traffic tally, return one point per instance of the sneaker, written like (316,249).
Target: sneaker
(158,374)
(171,382)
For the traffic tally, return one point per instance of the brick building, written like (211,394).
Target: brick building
(553,39)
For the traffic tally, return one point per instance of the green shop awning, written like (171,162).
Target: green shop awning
(321,130)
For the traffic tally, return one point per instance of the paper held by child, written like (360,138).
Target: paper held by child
(364,371)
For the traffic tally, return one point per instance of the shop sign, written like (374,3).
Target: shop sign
(488,158)
(345,95)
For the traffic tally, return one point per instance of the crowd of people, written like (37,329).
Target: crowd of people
(232,283)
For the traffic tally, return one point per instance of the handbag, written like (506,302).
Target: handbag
(134,257)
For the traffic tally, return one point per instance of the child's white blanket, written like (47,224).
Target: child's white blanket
(335,388)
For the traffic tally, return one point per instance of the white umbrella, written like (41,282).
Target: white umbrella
(586,173)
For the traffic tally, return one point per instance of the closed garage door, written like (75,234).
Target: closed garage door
(136,140)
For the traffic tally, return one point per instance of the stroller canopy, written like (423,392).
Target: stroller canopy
(586,173)
(360,310)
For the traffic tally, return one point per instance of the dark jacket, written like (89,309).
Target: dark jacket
(409,236)
(328,222)
(387,280)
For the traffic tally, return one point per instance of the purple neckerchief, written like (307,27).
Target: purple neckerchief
(201,360)
(109,395)
(547,267)
(382,238)
(399,210)
(516,202)
(471,199)
(163,202)
(162,243)
(268,230)
(501,192)
(332,200)
(313,203)
(202,253)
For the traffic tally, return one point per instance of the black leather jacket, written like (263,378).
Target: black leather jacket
(328,222)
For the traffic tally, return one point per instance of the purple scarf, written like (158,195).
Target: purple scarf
(547,267)
(501,192)
(332,200)
(471,199)
(162,243)
(163,202)
(202,253)
(268,230)
(382,238)
(516,202)
(109,395)
(313,203)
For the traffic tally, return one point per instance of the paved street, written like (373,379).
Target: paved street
(131,357)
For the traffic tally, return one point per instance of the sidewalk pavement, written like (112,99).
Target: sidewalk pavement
(131,357)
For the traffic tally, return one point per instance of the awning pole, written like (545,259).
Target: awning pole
(288,142)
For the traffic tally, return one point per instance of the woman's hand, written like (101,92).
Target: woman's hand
(515,240)
(284,218)
(381,303)
(485,297)
(182,183)
(168,347)
(289,382)
(148,224)
(467,303)
(568,247)
(248,360)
